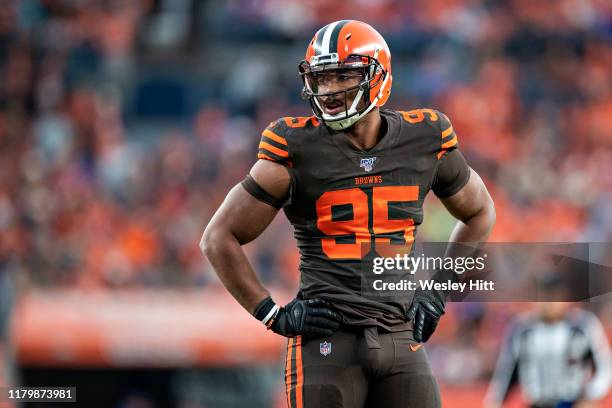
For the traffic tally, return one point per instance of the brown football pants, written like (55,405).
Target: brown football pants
(359,369)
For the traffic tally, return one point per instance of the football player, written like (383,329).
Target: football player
(349,177)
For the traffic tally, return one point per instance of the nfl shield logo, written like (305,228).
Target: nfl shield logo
(367,163)
(325,348)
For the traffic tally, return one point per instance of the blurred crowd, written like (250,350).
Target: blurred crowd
(123,124)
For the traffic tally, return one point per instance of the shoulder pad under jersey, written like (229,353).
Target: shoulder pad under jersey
(276,139)
(444,138)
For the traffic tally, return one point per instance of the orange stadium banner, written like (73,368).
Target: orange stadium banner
(138,328)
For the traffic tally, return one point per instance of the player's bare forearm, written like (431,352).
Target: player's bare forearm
(475,212)
(222,245)
(235,272)
(240,219)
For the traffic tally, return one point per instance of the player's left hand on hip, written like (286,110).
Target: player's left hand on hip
(310,317)
(425,311)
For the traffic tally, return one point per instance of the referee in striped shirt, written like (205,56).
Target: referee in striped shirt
(560,356)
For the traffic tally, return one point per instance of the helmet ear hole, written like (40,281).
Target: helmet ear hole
(303,67)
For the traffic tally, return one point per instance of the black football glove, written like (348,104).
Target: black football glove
(311,317)
(425,311)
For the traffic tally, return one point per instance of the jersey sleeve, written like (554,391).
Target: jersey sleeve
(451,175)
(273,145)
(448,137)
(452,171)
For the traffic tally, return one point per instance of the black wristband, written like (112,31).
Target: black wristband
(266,310)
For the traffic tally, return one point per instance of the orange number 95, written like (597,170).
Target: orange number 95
(358,226)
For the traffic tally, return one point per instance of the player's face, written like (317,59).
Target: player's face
(553,311)
(335,83)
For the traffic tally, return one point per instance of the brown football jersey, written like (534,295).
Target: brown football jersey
(344,199)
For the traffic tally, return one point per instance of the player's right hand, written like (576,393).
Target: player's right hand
(311,317)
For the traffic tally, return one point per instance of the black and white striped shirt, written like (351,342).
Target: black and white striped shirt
(566,360)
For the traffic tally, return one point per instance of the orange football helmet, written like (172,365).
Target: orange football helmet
(348,44)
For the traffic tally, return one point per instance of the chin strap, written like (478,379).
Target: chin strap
(350,121)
